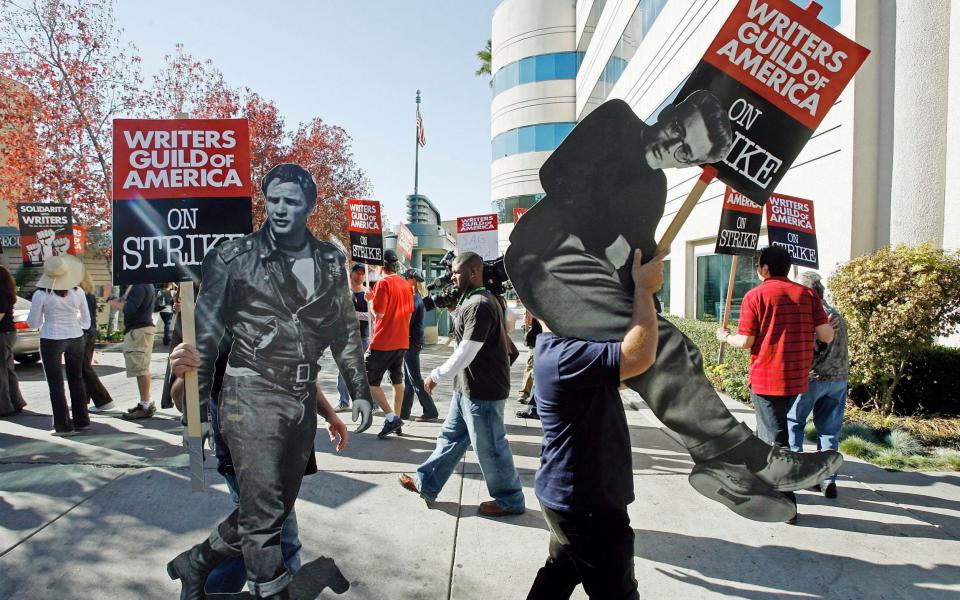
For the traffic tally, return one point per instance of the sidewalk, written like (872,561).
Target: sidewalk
(98,516)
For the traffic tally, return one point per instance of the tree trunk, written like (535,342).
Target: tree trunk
(886,408)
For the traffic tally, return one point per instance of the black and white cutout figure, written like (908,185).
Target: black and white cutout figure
(570,261)
(282,296)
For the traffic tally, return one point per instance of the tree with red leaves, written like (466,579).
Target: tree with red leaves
(73,77)
(187,84)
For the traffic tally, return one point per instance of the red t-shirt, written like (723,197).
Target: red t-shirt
(782,316)
(393,298)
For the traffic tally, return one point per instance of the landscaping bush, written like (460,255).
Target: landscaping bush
(930,385)
(897,302)
(731,377)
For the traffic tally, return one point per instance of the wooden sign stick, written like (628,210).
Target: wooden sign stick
(192,388)
(709,173)
(727,305)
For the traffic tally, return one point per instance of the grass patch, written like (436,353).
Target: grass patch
(900,456)
(930,432)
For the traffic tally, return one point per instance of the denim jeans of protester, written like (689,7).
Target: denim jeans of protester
(341,384)
(477,422)
(827,400)
(413,385)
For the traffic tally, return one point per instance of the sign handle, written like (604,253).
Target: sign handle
(727,305)
(709,173)
(192,388)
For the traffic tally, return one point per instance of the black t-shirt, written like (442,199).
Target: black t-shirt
(585,460)
(416,321)
(6,307)
(480,319)
(360,305)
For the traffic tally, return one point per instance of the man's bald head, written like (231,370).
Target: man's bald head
(468,271)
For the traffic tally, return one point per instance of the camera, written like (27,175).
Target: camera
(444,293)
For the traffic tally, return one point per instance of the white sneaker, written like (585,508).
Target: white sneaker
(104,408)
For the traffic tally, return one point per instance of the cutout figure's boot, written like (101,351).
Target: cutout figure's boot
(788,471)
(192,567)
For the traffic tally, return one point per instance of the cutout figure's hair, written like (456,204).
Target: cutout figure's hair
(812,280)
(716,120)
(291,173)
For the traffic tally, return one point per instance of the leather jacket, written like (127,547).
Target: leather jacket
(250,294)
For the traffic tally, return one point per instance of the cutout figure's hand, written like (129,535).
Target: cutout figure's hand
(362,411)
(61,245)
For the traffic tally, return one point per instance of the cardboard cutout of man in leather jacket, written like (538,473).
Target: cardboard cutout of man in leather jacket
(282,296)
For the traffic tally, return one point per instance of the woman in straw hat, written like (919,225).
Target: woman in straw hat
(60,310)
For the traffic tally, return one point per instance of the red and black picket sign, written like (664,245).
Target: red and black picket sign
(46,230)
(776,69)
(790,224)
(739,224)
(366,231)
(180,187)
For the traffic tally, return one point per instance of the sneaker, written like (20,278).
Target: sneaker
(68,433)
(788,471)
(394,426)
(831,490)
(342,408)
(84,428)
(523,400)
(741,491)
(530,413)
(99,409)
(426,419)
(139,412)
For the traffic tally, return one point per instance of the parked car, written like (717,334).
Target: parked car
(27,349)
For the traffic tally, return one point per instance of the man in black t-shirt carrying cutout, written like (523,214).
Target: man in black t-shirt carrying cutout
(481,382)
(578,400)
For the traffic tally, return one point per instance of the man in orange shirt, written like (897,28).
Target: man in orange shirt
(392,305)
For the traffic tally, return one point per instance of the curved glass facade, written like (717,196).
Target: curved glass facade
(543,67)
(543,137)
(504,207)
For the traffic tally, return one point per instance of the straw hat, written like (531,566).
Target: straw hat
(63,272)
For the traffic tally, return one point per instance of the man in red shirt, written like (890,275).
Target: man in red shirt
(392,305)
(778,322)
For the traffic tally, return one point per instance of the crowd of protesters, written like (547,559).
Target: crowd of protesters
(798,365)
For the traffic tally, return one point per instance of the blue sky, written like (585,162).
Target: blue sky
(356,64)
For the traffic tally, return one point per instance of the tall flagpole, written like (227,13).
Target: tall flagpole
(416,143)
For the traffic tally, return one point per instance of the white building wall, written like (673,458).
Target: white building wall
(523,28)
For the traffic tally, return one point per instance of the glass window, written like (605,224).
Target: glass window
(504,207)
(713,275)
(636,30)
(664,294)
(543,137)
(543,67)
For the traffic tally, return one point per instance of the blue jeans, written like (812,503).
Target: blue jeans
(230,576)
(477,422)
(827,400)
(413,384)
(341,384)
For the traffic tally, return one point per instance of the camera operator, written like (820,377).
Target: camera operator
(481,382)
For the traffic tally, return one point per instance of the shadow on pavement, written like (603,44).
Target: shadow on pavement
(705,560)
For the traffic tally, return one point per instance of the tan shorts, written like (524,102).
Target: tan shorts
(137,348)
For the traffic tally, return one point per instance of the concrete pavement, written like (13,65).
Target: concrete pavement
(98,515)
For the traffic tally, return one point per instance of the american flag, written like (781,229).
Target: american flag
(421,132)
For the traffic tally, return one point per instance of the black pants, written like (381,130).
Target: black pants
(91,381)
(593,549)
(772,417)
(11,400)
(269,430)
(54,353)
(413,385)
(167,318)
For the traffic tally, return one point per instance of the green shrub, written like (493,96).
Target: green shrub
(857,430)
(859,447)
(903,442)
(732,376)
(810,431)
(930,385)
(896,302)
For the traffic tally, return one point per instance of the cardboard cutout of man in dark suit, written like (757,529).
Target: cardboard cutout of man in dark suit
(569,260)
(282,296)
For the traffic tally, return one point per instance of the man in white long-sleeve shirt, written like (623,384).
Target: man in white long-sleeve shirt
(480,369)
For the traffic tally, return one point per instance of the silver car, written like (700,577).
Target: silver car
(27,348)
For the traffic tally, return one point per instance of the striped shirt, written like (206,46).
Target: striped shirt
(781,315)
